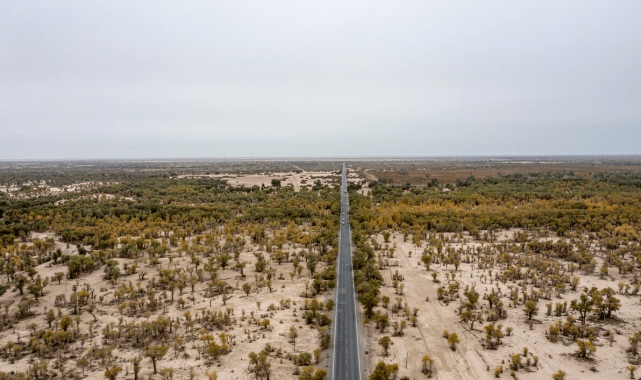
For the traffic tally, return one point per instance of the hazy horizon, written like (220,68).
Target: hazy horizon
(120,80)
(538,158)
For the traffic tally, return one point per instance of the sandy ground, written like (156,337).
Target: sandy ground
(231,366)
(471,360)
(292,179)
(40,189)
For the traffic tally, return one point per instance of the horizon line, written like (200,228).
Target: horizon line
(280,158)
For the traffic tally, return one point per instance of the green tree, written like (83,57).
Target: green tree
(112,372)
(383,371)
(65,322)
(156,353)
(531,309)
(369,301)
(259,365)
(386,343)
(58,276)
(50,316)
(240,267)
(20,282)
(453,340)
(631,368)
(583,306)
(585,348)
(223,260)
(428,365)
(293,334)
(634,343)
(247,288)
(307,373)
(136,362)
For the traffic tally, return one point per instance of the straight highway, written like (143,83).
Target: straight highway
(346,365)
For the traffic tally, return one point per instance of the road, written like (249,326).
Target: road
(346,362)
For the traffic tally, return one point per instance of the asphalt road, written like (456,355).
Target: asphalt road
(346,364)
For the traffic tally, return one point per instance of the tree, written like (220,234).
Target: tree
(20,282)
(313,306)
(58,276)
(305,358)
(426,259)
(574,282)
(136,362)
(453,340)
(247,288)
(383,371)
(631,368)
(583,306)
(369,300)
(82,363)
(223,259)
(311,266)
(112,373)
(559,375)
(167,373)
(325,341)
(472,299)
(585,348)
(293,334)
(259,365)
(51,316)
(472,317)
(610,302)
(279,256)
(156,353)
(65,322)
(240,267)
(386,343)
(428,365)
(493,335)
(531,309)
(308,373)
(492,299)
(320,374)
(634,343)
(193,280)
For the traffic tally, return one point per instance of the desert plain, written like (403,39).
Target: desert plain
(223,273)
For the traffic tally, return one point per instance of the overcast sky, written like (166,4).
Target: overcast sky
(136,79)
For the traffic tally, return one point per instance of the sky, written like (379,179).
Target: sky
(147,79)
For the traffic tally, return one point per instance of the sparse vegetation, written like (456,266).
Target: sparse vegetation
(127,276)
